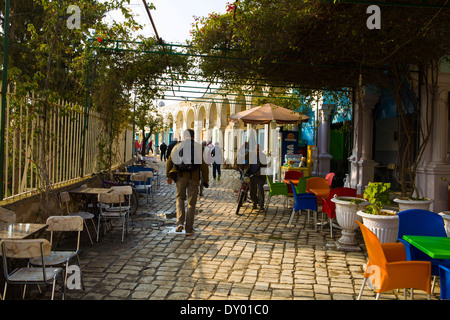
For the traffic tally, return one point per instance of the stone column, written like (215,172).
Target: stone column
(324,156)
(366,165)
(208,132)
(357,143)
(433,175)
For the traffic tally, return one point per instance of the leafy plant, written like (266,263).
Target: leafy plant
(378,195)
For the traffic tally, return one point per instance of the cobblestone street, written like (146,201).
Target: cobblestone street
(254,256)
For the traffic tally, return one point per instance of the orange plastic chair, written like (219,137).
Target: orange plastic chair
(318,186)
(388,268)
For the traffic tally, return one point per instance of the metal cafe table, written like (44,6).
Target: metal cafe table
(435,247)
(90,195)
(20,230)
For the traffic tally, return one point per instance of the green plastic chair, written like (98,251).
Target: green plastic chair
(276,189)
(301,186)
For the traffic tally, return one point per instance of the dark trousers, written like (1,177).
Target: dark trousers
(257,190)
(216,168)
(163,155)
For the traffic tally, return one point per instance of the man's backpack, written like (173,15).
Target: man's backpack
(190,164)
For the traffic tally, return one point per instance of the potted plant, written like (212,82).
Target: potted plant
(346,209)
(382,222)
(406,203)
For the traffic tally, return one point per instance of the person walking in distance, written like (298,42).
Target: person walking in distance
(163,148)
(184,165)
(217,158)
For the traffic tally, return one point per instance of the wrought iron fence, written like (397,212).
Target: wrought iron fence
(62,158)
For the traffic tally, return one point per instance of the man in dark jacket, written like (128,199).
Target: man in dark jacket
(163,149)
(170,147)
(184,165)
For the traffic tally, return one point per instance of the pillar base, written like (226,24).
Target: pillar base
(432,182)
(366,174)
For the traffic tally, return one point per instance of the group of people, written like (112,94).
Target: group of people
(186,166)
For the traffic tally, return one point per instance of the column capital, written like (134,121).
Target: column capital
(327,109)
(370,100)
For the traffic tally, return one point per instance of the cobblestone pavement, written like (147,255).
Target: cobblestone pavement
(254,256)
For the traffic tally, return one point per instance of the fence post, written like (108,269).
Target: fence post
(4,89)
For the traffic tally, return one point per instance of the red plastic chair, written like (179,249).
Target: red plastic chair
(329,207)
(292,175)
(330,178)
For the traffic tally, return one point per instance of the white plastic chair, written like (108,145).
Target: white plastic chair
(28,249)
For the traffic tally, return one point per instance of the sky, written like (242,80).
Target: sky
(173,20)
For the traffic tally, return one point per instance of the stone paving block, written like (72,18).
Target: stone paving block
(253,256)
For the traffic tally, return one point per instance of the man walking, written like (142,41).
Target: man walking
(163,148)
(170,147)
(218,158)
(184,165)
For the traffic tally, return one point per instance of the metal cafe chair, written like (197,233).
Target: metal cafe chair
(62,258)
(28,249)
(65,199)
(127,191)
(142,183)
(117,210)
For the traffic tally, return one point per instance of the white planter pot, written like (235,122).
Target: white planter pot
(346,216)
(446,217)
(406,204)
(385,227)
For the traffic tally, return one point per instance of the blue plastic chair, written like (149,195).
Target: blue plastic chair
(444,274)
(303,201)
(139,168)
(153,181)
(420,222)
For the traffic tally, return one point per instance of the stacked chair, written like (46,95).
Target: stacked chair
(419,222)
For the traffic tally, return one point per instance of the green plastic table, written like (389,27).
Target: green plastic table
(435,247)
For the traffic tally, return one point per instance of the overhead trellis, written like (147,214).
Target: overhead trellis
(203,89)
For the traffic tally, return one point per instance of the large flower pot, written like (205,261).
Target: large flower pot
(446,217)
(406,204)
(385,227)
(346,216)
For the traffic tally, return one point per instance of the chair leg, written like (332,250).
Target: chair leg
(362,289)
(95,228)
(87,230)
(290,219)
(331,228)
(378,296)
(315,219)
(434,282)
(98,227)
(53,288)
(123,226)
